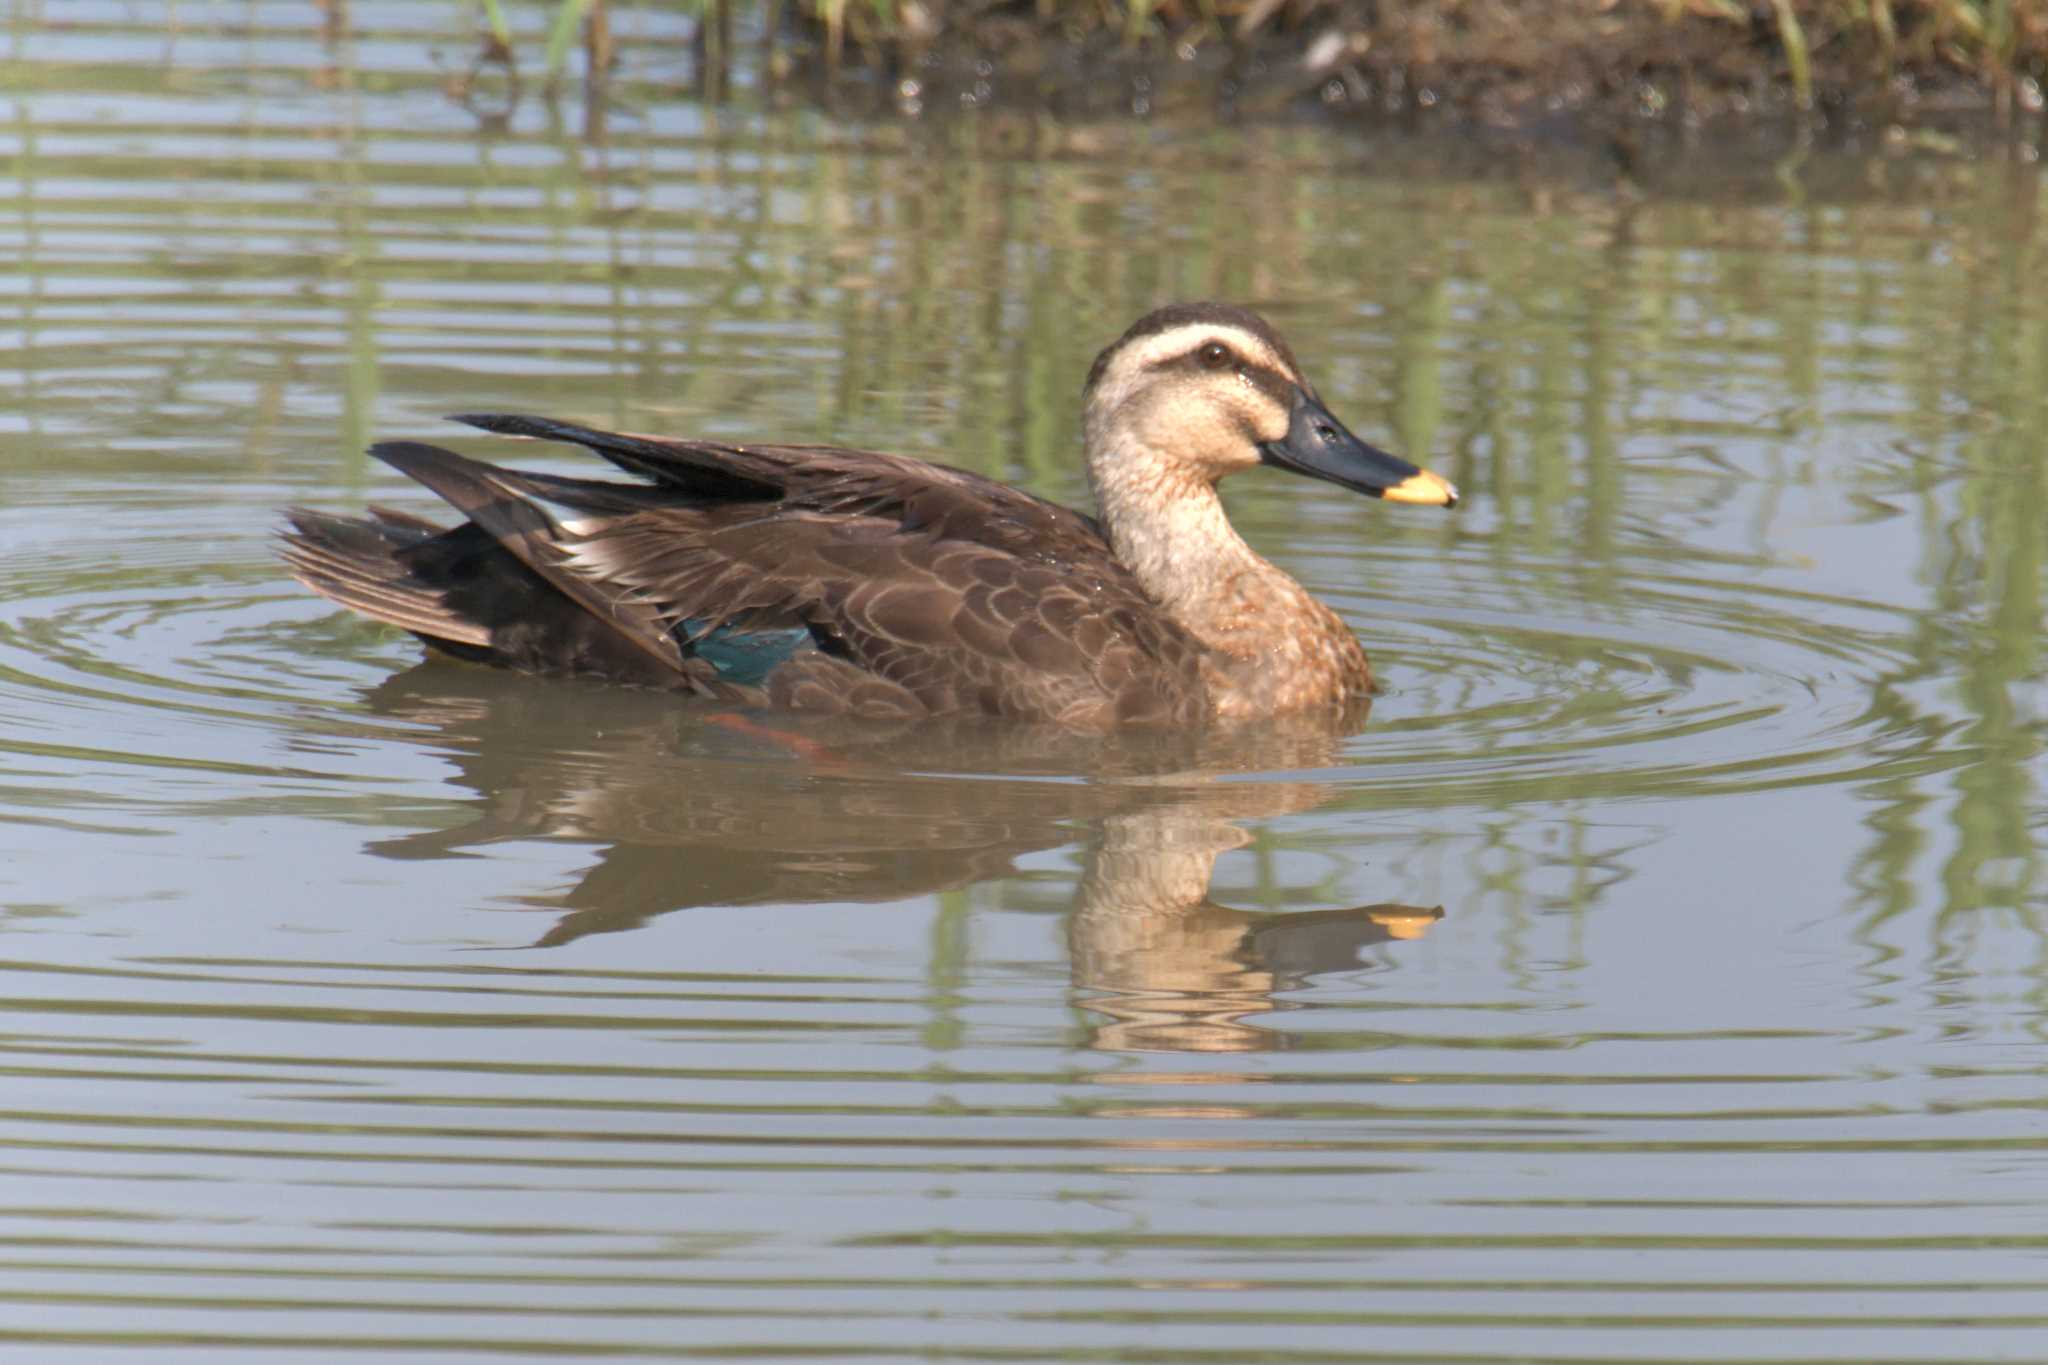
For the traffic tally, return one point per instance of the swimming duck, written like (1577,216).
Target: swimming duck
(819,578)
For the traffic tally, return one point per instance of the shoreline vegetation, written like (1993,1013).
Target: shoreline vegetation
(1512,64)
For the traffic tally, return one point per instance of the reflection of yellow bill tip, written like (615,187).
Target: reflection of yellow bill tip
(1426,488)
(1409,926)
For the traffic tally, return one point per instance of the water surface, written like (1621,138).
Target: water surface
(1656,976)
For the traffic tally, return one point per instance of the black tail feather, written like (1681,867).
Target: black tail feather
(513,570)
(357,563)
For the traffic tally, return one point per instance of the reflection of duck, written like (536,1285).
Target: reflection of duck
(689,812)
(824,579)
(1169,969)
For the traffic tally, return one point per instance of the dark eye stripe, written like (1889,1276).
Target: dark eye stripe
(1275,385)
(1263,375)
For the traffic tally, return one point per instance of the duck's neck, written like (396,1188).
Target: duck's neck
(1281,648)
(1168,527)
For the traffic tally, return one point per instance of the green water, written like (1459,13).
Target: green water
(1659,976)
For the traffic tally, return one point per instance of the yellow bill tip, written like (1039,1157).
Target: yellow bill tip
(1423,487)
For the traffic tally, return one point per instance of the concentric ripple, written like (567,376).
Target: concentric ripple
(1642,676)
(167,638)
(137,659)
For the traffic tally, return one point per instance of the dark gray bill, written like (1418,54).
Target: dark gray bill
(1318,445)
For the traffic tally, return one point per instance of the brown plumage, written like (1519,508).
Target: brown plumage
(825,579)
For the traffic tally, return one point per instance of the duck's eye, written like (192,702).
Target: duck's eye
(1215,355)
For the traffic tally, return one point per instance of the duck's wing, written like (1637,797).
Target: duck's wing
(950,503)
(813,577)
(1045,630)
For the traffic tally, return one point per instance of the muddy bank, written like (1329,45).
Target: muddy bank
(1511,64)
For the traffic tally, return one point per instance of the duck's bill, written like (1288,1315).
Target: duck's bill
(1320,446)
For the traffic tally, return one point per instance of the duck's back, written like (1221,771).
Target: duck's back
(814,578)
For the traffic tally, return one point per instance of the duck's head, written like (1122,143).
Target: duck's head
(1209,389)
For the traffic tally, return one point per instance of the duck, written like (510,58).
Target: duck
(818,578)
